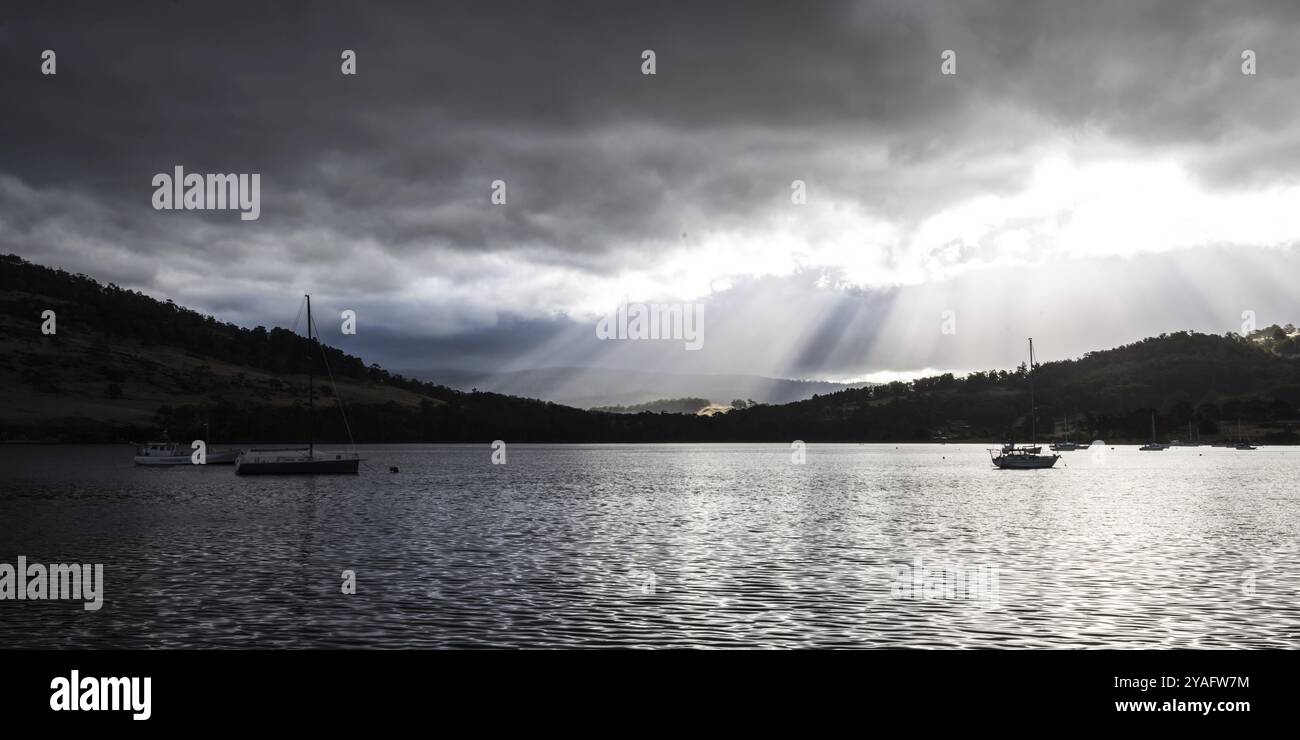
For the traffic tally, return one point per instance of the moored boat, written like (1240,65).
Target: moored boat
(1241,442)
(300,460)
(1153,445)
(161,454)
(291,460)
(1068,445)
(1021,459)
(1193,439)
(1024,457)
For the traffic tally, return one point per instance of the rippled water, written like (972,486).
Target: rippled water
(1192,547)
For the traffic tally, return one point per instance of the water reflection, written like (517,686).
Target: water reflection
(1195,547)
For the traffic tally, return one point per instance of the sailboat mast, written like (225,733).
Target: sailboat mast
(311,376)
(1033,420)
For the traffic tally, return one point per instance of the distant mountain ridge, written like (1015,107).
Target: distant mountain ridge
(667,405)
(597,387)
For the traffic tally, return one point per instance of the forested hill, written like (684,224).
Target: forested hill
(85,307)
(1180,370)
(123,366)
(1210,382)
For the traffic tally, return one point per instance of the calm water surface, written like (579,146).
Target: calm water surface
(1191,547)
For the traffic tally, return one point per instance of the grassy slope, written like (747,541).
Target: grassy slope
(74,370)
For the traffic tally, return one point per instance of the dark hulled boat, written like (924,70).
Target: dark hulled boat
(1025,457)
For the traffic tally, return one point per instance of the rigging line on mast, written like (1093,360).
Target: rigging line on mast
(334,386)
(298,318)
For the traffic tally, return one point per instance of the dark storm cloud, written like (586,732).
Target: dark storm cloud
(605,168)
(452,95)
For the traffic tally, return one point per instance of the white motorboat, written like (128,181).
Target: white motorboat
(170,453)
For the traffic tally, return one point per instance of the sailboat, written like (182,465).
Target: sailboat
(1242,443)
(1067,445)
(298,460)
(1192,439)
(1153,445)
(1025,457)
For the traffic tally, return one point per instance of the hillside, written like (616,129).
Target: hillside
(121,365)
(1210,382)
(124,366)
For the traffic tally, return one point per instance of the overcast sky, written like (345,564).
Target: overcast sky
(1092,174)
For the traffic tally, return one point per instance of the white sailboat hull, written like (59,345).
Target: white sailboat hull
(277,462)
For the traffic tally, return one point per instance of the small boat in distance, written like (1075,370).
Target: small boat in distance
(1025,457)
(1193,439)
(1153,445)
(1236,443)
(159,454)
(1068,445)
(300,460)
(1241,442)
